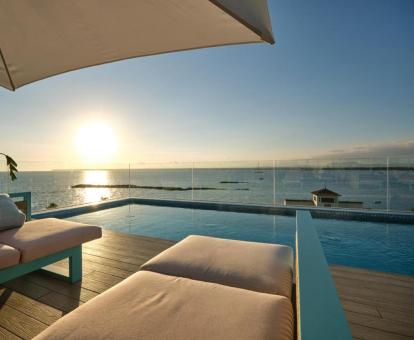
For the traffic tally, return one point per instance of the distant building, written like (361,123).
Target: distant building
(324,198)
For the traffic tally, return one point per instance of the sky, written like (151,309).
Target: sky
(339,82)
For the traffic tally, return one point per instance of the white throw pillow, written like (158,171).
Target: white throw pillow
(10,215)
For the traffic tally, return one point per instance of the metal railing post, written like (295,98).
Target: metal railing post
(192,181)
(388,184)
(274,183)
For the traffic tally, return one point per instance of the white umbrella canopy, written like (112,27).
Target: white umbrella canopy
(42,38)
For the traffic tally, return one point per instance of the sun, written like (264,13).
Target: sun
(96,142)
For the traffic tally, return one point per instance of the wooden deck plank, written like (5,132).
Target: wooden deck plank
(59,301)
(133,242)
(61,287)
(360,308)
(7,335)
(392,281)
(378,305)
(361,282)
(90,266)
(138,252)
(140,239)
(397,316)
(94,285)
(409,309)
(373,273)
(368,333)
(20,324)
(377,295)
(29,289)
(374,286)
(106,269)
(104,277)
(399,328)
(30,307)
(62,267)
(111,263)
(117,256)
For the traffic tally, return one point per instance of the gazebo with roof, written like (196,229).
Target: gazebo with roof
(325,198)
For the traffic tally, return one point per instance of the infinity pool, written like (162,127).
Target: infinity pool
(378,246)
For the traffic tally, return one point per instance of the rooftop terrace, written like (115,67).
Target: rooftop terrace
(377,305)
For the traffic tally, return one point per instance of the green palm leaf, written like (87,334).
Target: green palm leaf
(12,165)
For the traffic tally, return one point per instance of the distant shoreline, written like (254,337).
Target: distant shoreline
(133,186)
(300,168)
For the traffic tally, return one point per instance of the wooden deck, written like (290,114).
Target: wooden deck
(378,305)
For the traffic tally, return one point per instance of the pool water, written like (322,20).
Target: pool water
(378,246)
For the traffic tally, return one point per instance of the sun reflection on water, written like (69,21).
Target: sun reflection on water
(95,177)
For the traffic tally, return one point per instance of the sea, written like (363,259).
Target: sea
(376,188)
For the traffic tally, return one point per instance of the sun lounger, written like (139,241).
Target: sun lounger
(260,267)
(222,289)
(39,243)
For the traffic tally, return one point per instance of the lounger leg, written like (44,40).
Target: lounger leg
(75,265)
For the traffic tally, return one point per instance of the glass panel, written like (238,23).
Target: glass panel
(53,185)
(241,182)
(401,184)
(354,183)
(161,180)
(361,183)
(4,176)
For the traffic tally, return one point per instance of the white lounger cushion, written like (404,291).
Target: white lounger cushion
(260,267)
(8,256)
(155,306)
(10,215)
(39,238)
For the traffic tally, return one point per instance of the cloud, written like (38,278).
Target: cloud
(400,149)
(337,151)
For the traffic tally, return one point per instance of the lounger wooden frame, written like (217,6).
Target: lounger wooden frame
(75,266)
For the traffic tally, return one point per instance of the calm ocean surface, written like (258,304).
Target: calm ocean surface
(254,186)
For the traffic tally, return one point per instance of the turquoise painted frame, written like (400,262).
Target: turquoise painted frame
(75,266)
(319,311)
(27,197)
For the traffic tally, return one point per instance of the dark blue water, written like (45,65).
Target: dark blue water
(377,246)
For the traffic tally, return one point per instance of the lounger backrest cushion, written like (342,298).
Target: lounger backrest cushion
(260,267)
(10,215)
